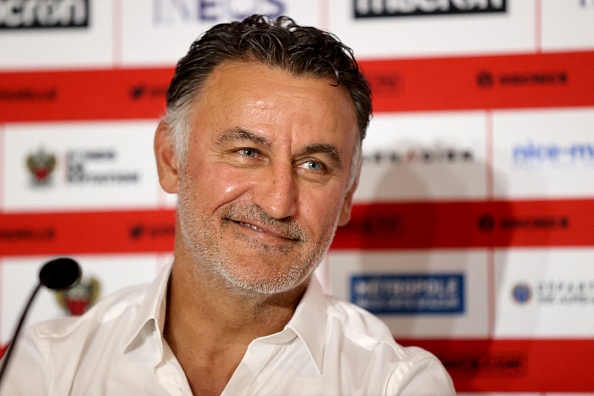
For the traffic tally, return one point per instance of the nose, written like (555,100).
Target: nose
(276,192)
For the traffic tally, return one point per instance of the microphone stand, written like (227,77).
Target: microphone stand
(17,332)
(58,274)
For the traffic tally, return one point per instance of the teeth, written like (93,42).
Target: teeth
(253,227)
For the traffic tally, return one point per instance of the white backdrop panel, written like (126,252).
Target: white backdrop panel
(161,31)
(20,275)
(99,165)
(545,293)
(424,156)
(544,153)
(431,35)
(90,46)
(470,264)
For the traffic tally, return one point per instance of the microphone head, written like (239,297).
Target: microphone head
(60,273)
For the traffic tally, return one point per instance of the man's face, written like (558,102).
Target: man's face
(266,178)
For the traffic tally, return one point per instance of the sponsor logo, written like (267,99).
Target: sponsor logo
(409,294)
(169,12)
(27,234)
(79,162)
(488,223)
(41,165)
(404,8)
(142,91)
(426,156)
(28,95)
(374,225)
(43,14)
(522,293)
(558,292)
(84,166)
(555,155)
(385,83)
(142,231)
(491,365)
(486,79)
(76,300)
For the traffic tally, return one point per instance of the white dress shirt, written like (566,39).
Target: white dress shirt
(329,347)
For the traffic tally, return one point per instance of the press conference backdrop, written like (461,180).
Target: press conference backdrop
(472,230)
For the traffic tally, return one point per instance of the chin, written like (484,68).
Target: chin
(265,284)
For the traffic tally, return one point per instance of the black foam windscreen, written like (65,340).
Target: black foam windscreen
(60,273)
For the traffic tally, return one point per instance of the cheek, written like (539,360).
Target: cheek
(220,184)
(322,208)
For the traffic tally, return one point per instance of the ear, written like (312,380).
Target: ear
(167,162)
(347,205)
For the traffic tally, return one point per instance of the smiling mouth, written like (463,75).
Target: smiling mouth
(253,227)
(270,231)
(253,218)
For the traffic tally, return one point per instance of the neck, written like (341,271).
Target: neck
(208,325)
(206,300)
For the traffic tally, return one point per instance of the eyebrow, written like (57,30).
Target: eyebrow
(237,133)
(321,148)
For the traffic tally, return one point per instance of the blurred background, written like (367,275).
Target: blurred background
(471,234)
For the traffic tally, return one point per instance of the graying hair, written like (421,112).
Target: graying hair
(281,43)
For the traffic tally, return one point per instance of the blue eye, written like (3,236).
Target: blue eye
(314,166)
(248,152)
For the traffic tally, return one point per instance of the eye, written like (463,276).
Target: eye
(313,166)
(248,152)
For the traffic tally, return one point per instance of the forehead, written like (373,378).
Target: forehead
(244,93)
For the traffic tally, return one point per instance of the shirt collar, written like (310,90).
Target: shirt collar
(309,321)
(152,309)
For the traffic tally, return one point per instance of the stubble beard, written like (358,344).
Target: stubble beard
(203,238)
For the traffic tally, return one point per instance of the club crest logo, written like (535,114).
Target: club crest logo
(76,300)
(41,165)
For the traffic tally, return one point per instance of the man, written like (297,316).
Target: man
(262,143)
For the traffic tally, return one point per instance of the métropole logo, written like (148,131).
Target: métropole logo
(43,14)
(436,155)
(486,79)
(404,8)
(531,155)
(169,12)
(409,294)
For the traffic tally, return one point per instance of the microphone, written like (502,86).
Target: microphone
(58,274)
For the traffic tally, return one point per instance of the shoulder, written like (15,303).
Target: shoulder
(107,310)
(366,340)
(51,354)
(358,325)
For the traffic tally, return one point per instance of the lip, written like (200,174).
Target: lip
(263,230)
